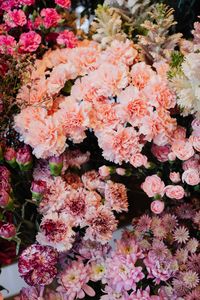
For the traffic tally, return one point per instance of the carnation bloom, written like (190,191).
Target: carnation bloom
(116,196)
(153,186)
(50,17)
(101,224)
(15,18)
(7,230)
(73,281)
(175,177)
(7,44)
(37,264)
(29,41)
(63,3)
(56,231)
(67,38)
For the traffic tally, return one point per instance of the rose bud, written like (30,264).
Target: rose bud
(24,158)
(56,165)
(7,231)
(5,199)
(157,207)
(38,188)
(10,157)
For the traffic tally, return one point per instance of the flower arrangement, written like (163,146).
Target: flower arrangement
(88,125)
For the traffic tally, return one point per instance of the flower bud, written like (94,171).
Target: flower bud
(7,231)
(121,171)
(24,158)
(5,199)
(104,171)
(10,157)
(38,188)
(56,165)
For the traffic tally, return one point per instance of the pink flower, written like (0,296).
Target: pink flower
(50,17)
(64,3)
(192,163)
(195,140)
(175,177)
(10,155)
(141,74)
(67,39)
(37,264)
(29,293)
(138,160)
(157,206)
(116,196)
(191,177)
(24,158)
(38,189)
(29,41)
(27,2)
(161,152)
(174,191)
(182,149)
(121,171)
(196,126)
(92,180)
(15,18)
(104,171)
(73,281)
(7,230)
(7,44)
(4,173)
(153,186)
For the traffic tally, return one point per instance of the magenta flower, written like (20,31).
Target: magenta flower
(7,230)
(50,17)
(64,3)
(29,41)
(67,39)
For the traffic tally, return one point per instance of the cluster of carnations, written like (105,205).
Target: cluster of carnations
(25,28)
(157,258)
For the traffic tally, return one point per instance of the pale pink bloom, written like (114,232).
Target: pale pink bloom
(179,133)
(174,191)
(97,270)
(29,41)
(143,295)
(153,186)
(196,126)
(162,69)
(182,149)
(37,265)
(15,18)
(143,224)
(141,74)
(169,221)
(193,295)
(192,245)
(190,279)
(50,17)
(116,196)
(92,180)
(73,281)
(104,171)
(121,274)
(161,152)
(121,171)
(111,294)
(30,293)
(175,177)
(56,231)
(171,156)
(119,145)
(101,224)
(191,176)
(181,235)
(67,38)
(157,206)
(75,158)
(195,140)
(7,44)
(138,160)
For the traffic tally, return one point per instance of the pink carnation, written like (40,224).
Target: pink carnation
(7,44)
(191,177)
(157,206)
(183,149)
(175,177)
(67,39)
(116,196)
(29,41)
(161,152)
(64,3)
(50,17)
(15,18)
(174,191)
(153,186)
(138,160)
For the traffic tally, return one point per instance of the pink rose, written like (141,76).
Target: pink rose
(7,44)
(192,163)
(63,3)
(104,171)
(175,177)
(67,39)
(138,160)
(153,186)
(182,149)
(174,191)
(161,152)
(29,41)
(196,126)
(179,133)
(157,207)
(171,156)
(121,171)
(191,177)
(15,18)
(195,140)
(50,17)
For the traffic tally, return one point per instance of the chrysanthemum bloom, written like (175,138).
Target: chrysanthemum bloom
(121,274)
(116,196)
(101,225)
(56,231)
(190,279)
(15,18)
(73,281)
(181,235)
(37,264)
(97,269)
(192,245)
(50,17)
(193,263)
(143,224)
